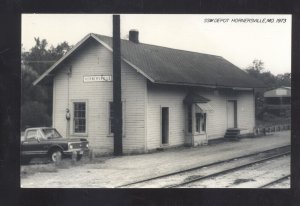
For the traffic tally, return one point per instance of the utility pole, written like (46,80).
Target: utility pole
(117,97)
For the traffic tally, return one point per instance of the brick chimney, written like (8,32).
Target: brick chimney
(134,36)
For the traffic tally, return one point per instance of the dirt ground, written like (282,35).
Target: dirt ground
(109,172)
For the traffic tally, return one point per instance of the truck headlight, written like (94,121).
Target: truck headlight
(87,145)
(70,146)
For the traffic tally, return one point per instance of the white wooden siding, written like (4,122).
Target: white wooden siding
(94,59)
(216,122)
(134,88)
(162,96)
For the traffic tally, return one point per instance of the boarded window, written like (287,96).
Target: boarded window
(79,117)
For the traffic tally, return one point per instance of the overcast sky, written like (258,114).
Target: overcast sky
(266,38)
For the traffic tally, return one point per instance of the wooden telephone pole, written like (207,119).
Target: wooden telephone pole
(117,95)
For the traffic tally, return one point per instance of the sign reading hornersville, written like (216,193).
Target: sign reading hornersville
(99,78)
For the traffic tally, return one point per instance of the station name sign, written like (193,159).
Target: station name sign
(98,78)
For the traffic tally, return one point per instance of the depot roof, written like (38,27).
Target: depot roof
(172,66)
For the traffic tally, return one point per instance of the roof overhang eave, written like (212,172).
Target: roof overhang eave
(47,72)
(206,85)
(75,47)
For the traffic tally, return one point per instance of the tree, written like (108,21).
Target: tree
(284,79)
(271,81)
(256,70)
(58,51)
(40,58)
(28,91)
(34,114)
(36,101)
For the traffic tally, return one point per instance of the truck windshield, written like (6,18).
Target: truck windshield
(51,133)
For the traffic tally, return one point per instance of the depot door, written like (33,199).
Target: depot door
(231,114)
(165,125)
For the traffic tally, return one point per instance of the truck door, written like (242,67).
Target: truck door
(32,144)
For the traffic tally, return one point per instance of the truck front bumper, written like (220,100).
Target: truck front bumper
(79,151)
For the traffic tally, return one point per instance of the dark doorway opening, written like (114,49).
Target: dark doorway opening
(232,114)
(165,125)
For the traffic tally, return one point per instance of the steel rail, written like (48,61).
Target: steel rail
(228,170)
(275,181)
(202,166)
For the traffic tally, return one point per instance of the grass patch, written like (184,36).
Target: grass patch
(32,169)
(40,165)
(95,160)
(65,164)
(270,120)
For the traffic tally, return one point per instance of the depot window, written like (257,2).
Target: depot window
(79,117)
(200,122)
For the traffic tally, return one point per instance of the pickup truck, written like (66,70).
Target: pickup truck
(47,142)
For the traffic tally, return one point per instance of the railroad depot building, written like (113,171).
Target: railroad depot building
(170,97)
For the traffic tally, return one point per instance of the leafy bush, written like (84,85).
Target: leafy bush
(36,101)
(34,114)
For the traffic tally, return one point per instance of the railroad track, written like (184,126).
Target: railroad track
(275,181)
(223,172)
(270,154)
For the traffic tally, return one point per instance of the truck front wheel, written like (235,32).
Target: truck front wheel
(55,156)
